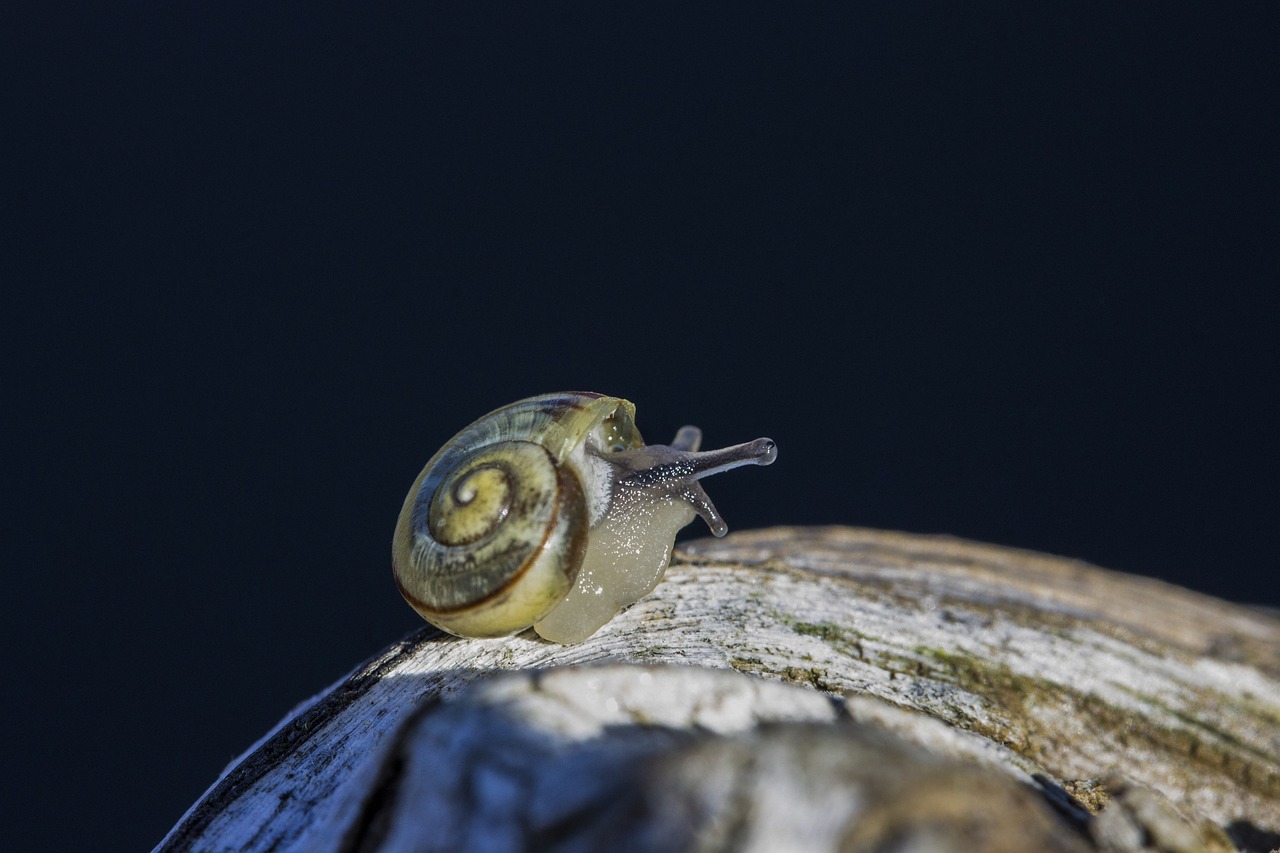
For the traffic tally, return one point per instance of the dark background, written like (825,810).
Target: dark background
(1003,271)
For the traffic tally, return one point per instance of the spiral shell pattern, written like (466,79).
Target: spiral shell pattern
(493,531)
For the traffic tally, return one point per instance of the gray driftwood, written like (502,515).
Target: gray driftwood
(797,688)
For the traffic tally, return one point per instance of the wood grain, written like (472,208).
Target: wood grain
(978,675)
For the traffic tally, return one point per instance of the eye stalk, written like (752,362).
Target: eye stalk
(674,470)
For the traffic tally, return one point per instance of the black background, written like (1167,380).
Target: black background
(997,270)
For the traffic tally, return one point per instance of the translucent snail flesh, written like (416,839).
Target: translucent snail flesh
(551,512)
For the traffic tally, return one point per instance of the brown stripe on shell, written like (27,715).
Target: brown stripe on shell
(569,490)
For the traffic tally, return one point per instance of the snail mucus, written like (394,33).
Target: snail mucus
(552,512)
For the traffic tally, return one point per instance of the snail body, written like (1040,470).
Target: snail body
(551,512)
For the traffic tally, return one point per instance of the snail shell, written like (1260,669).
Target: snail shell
(551,512)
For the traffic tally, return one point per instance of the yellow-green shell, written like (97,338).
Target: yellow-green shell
(494,529)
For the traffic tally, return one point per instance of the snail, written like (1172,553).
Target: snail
(552,512)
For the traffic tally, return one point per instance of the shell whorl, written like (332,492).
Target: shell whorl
(491,535)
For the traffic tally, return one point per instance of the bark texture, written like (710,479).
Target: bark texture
(798,688)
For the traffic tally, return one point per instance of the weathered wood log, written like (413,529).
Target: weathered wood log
(798,688)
